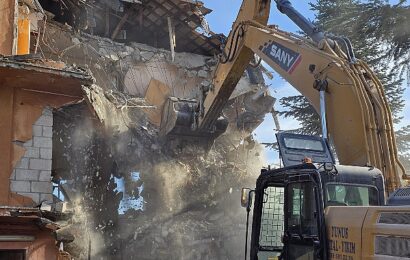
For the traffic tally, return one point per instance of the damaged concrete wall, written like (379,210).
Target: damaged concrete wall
(28,87)
(31,176)
(129,68)
(190,198)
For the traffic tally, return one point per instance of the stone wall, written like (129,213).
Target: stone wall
(32,175)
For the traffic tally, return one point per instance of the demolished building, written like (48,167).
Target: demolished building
(94,142)
(30,88)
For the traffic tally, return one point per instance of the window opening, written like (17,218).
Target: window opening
(302,209)
(351,195)
(272,219)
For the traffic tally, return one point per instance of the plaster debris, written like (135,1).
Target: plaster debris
(184,203)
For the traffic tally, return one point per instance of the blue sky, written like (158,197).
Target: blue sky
(220,21)
(224,14)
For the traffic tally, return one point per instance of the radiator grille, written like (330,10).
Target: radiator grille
(403,192)
(394,218)
(392,246)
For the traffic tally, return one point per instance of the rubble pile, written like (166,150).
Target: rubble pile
(179,203)
(130,68)
(190,199)
(87,140)
(199,216)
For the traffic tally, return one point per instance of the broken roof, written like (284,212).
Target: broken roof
(43,75)
(25,216)
(144,21)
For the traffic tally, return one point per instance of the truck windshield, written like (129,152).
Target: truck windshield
(351,195)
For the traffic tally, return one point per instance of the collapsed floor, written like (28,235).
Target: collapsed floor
(136,197)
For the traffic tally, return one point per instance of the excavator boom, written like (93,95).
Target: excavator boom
(206,123)
(359,120)
(236,58)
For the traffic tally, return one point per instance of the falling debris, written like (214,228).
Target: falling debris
(89,150)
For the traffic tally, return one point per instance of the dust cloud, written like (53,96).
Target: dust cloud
(190,197)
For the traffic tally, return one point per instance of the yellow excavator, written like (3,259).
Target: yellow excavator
(313,208)
(324,68)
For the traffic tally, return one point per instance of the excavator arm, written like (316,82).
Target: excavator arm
(236,57)
(359,120)
(201,121)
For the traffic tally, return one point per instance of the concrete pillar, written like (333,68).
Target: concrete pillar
(8,27)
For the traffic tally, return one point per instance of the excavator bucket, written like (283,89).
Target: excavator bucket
(178,115)
(178,124)
(176,118)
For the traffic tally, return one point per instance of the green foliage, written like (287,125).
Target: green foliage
(403,139)
(380,35)
(378,30)
(403,146)
(299,108)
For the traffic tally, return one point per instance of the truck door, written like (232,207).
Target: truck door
(301,237)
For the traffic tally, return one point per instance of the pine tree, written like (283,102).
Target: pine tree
(299,108)
(403,146)
(380,34)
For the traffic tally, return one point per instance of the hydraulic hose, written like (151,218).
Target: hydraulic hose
(307,26)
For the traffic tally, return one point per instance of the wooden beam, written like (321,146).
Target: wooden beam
(193,18)
(172,42)
(183,23)
(121,23)
(8,27)
(170,14)
(6,137)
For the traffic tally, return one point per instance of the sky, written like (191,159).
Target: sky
(220,21)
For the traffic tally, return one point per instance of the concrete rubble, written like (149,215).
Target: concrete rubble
(186,194)
(130,195)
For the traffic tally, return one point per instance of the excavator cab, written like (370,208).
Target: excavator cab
(290,203)
(287,214)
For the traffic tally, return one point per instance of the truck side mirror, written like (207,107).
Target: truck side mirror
(246,198)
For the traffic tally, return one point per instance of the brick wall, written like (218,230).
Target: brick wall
(32,174)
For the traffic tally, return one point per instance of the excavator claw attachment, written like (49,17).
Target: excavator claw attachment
(177,118)
(179,124)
